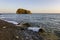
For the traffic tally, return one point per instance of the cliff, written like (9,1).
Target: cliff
(23,11)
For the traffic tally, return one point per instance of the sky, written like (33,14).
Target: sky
(36,6)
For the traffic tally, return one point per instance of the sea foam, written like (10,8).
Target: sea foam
(14,22)
(36,29)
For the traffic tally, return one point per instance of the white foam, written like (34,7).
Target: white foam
(34,28)
(12,22)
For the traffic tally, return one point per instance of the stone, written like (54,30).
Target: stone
(41,30)
(17,37)
(4,26)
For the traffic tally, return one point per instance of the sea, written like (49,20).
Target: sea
(50,21)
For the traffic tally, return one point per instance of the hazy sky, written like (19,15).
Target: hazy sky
(36,6)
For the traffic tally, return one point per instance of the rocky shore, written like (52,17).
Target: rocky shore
(10,31)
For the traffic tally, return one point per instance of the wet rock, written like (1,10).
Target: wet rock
(41,30)
(57,33)
(23,24)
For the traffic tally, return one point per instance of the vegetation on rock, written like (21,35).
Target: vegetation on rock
(23,11)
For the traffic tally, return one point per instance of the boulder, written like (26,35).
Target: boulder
(23,25)
(23,11)
(41,30)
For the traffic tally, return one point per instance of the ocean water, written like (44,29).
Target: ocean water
(49,21)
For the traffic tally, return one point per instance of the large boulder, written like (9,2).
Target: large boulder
(23,25)
(23,11)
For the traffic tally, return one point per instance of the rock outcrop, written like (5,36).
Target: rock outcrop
(41,30)
(23,25)
(23,11)
(9,31)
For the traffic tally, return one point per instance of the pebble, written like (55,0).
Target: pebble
(27,38)
(17,37)
(4,26)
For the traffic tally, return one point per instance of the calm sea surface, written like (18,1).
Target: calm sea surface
(49,20)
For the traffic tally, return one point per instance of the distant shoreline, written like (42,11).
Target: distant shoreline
(32,13)
(35,13)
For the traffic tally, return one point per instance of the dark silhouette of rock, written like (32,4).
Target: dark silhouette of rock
(41,30)
(23,11)
(26,24)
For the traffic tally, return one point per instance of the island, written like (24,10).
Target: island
(23,11)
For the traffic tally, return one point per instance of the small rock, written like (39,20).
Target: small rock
(27,38)
(4,26)
(17,37)
(41,30)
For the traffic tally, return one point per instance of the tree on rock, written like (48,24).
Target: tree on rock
(23,11)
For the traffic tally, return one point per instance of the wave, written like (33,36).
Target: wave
(14,22)
(36,29)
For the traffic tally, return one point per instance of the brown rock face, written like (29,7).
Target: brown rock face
(23,11)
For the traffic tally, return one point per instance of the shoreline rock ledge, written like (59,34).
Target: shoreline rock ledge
(9,31)
(23,11)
